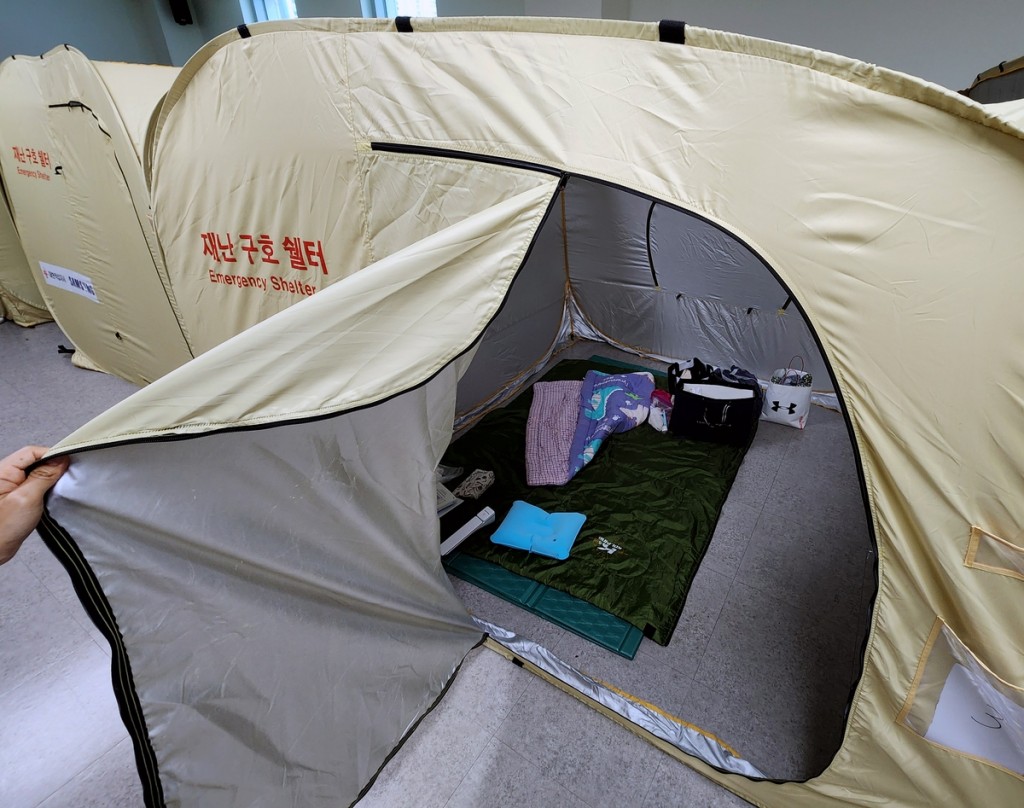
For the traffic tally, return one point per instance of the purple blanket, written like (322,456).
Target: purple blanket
(609,403)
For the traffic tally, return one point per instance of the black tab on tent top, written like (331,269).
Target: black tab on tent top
(672,31)
(243,31)
(404,24)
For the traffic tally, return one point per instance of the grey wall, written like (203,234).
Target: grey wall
(487,8)
(182,40)
(210,18)
(215,17)
(945,41)
(328,8)
(105,30)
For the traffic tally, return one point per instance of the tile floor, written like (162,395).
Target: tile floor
(764,655)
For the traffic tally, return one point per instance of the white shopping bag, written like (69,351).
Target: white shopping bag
(787,399)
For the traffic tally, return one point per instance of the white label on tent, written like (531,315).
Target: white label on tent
(975,718)
(69,280)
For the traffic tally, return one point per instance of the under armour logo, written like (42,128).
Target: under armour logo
(606,546)
(791,408)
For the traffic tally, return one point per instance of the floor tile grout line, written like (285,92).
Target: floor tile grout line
(650,783)
(83,770)
(493,736)
(468,769)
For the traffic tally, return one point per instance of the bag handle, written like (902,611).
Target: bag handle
(697,372)
(674,380)
(793,359)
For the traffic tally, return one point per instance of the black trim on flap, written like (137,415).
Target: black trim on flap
(404,24)
(673,31)
(243,31)
(89,592)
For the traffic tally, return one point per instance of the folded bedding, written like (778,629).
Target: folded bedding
(569,420)
(549,432)
(651,504)
(609,403)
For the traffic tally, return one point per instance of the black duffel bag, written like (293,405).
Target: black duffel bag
(711,404)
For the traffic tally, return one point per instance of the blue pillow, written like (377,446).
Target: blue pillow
(527,527)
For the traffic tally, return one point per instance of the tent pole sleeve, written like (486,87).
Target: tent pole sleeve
(673,31)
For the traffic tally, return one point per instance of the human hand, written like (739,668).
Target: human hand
(21,495)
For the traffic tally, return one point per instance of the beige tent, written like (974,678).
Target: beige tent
(20,300)
(1004,82)
(81,206)
(475,193)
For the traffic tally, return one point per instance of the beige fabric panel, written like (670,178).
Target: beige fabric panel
(248,231)
(874,77)
(83,217)
(401,320)
(1012,111)
(408,197)
(229,197)
(827,168)
(20,299)
(136,91)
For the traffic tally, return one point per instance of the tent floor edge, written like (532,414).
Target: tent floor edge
(433,706)
(645,735)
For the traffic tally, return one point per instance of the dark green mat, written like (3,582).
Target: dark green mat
(556,607)
(650,499)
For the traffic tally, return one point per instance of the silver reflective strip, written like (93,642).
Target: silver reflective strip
(684,738)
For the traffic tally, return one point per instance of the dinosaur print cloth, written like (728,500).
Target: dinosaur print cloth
(609,403)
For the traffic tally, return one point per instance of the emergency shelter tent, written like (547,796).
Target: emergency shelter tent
(20,300)
(1004,82)
(256,532)
(72,132)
